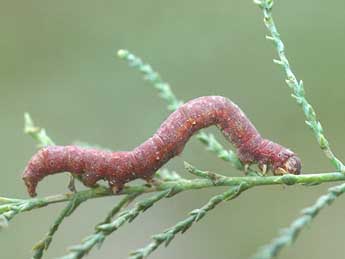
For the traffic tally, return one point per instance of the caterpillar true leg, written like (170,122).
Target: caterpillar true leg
(263,168)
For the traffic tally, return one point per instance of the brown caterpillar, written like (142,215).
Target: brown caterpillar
(119,168)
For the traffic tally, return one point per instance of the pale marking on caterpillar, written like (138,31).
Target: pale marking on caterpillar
(118,168)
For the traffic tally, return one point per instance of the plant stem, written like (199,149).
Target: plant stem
(9,209)
(44,244)
(289,234)
(37,133)
(295,85)
(173,103)
(168,235)
(108,227)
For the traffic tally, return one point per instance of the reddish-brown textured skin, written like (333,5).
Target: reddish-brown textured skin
(119,168)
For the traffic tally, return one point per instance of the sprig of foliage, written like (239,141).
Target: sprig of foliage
(37,133)
(182,226)
(96,238)
(43,245)
(153,77)
(10,207)
(215,147)
(289,234)
(173,103)
(106,228)
(40,135)
(295,85)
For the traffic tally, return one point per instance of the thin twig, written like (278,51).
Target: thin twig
(214,177)
(37,133)
(106,228)
(96,238)
(116,209)
(295,85)
(173,103)
(40,135)
(168,235)
(291,233)
(9,208)
(43,245)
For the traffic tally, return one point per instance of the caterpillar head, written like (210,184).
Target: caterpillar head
(31,183)
(34,170)
(292,165)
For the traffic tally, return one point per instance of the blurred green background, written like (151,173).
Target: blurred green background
(58,63)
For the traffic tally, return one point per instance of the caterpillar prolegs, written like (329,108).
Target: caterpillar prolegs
(118,168)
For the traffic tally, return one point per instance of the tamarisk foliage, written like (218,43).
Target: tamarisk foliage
(290,234)
(167,236)
(107,226)
(173,103)
(170,183)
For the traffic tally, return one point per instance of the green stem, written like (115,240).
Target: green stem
(116,209)
(295,85)
(107,227)
(43,245)
(289,234)
(168,235)
(9,210)
(173,103)
(37,133)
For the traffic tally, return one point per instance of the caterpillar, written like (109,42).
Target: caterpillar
(118,168)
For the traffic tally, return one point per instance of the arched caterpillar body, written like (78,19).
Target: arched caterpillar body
(119,168)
